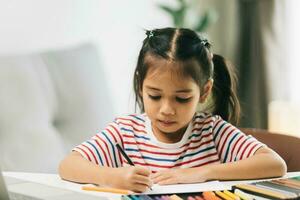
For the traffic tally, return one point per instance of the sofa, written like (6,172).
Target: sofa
(49,102)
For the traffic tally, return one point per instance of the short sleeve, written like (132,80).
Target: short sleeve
(101,148)
(232,144)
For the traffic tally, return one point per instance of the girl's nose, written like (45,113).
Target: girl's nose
(167,108)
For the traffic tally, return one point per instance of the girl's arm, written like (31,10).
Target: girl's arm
(264,163)
(77,169)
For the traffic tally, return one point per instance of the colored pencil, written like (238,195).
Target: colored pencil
(223,195)
(261,191)
(243,195)
(232,195)
(102,189)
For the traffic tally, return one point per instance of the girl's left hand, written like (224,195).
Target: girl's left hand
(175,176)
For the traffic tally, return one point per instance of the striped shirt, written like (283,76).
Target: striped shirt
(208,139)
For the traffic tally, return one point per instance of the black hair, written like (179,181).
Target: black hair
(186,47)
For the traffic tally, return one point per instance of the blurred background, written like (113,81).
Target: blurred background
(66,66)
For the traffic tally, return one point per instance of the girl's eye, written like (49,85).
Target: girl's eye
(153,97)
(183,100)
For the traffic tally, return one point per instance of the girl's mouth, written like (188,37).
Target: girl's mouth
(166,123)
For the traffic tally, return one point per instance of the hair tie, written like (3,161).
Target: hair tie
(149,34)
(204,42)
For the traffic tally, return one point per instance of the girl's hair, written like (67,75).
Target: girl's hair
(195,60)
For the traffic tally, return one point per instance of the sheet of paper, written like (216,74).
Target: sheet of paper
(187,188)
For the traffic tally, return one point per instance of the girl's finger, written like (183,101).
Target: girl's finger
(142,180)
(142,171)
(167,181)
(160,178)
(140,187)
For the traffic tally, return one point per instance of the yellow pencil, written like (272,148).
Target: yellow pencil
(259,190)
(223,195)
(110,190)
(234,196)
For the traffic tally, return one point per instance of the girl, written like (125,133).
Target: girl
(171,142)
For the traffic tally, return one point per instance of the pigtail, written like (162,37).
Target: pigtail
(224,91)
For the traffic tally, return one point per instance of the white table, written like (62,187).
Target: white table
(55,181)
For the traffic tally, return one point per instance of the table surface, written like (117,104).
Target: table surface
(55,181)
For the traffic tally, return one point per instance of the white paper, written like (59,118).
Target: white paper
(187,188)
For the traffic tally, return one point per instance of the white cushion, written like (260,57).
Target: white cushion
(49,102)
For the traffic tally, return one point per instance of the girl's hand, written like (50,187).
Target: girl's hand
(175,176)
(134,178)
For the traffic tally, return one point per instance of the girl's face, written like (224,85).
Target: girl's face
(170,101)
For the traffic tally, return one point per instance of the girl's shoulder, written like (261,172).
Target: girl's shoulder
(203,117)
(132,119)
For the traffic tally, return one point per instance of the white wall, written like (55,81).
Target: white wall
(292,42)
(115,26)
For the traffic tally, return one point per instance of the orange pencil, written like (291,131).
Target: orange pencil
(110,190)
(208,195)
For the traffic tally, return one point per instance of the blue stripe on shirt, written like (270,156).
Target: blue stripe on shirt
(218,131)
(137,136)
(199,133)
(98,154)
(228,146)
(140,119)
(192,154)
(171,160)
(112,147)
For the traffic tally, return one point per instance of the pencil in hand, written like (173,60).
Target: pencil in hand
(126,157)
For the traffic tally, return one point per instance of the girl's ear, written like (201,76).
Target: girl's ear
(206,90)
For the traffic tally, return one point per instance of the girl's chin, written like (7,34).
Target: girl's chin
(167,129)
(170,128)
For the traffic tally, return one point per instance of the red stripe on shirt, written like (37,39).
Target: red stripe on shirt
(240,146)
(203,122)
(217,123)
(91,153)
(250,152)
(221,136)
(117,131)
(121,139)
(126,119)
(85,153)
(113,135)
(103,152)
(196,159)
(142,143)
(242,156)
(168,153)
(233,148)
(134,128)
(226,139)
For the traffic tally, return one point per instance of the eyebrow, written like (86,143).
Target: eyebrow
(177,91)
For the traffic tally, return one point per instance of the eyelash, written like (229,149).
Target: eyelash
(182,100)
(178,99)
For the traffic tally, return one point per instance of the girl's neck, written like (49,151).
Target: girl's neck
(169,138)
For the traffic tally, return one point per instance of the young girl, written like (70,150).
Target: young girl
(171,142)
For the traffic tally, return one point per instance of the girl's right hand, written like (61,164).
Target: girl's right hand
(134,178)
